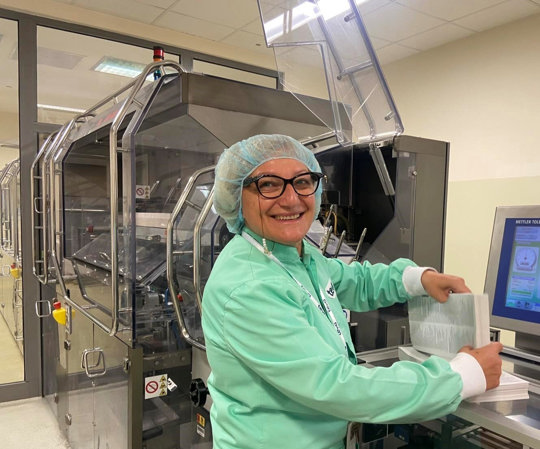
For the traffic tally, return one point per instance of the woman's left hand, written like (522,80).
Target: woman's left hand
(440,285)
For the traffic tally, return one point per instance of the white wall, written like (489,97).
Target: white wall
(482,94)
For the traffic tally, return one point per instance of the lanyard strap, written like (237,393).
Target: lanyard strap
(327,311)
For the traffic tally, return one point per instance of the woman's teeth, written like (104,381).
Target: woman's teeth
(287,217)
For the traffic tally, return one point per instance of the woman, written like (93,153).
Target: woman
(284,372)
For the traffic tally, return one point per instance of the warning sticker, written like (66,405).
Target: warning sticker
(142,192)
(155,386)
(201,425)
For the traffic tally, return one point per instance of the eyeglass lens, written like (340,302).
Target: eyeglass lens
(273,186)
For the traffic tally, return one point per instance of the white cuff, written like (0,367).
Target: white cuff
(472,375)
(412,280)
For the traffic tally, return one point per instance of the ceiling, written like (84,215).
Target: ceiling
(398,28)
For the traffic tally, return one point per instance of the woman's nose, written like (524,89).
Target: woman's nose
(290,194)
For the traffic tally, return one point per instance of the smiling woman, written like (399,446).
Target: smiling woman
(284,369)
(286,216)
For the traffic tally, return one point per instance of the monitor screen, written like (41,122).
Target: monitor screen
(513,273)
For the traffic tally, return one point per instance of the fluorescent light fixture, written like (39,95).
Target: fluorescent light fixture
(51,107)
(304,13)
(120,67)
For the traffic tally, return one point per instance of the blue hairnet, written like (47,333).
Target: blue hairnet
(237,162)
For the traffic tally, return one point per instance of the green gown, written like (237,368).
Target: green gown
(281,375)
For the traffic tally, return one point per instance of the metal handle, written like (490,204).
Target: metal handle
(197,248)
(43,277)
(170,225)
(88,368)
(49,309)
(113,175)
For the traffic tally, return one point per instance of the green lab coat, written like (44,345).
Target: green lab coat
(281,377)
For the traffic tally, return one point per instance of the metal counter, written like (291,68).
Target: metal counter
(516,420)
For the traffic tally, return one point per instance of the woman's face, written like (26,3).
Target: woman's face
(285,219)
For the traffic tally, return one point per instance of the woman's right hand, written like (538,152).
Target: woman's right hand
(489,359)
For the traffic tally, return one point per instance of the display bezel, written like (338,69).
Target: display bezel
(499,263)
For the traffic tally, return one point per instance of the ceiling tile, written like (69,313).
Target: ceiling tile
(394,52)
(231,13)
(254,27)
(164,4)
(192,25)
(247,40)
(123,8)
(498,15)
(367,6)
(436,36)
(57,58)
(378,43)
(448,10)
(265,3)
(395,22)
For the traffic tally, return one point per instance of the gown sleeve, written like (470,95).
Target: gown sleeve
(266,328)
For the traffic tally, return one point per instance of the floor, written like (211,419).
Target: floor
(30,424)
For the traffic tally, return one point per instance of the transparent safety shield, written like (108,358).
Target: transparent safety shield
(322,50)
(197,235)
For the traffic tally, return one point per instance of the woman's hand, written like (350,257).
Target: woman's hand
(439,285)
(489,359)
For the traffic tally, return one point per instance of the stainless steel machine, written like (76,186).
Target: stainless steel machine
(125,234)
(105,187)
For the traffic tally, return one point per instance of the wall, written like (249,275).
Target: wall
(482,95)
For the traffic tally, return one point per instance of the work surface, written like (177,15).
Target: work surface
(516,420)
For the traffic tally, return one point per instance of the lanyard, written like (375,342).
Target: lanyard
(329,314)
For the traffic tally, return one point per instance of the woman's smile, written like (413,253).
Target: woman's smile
(285,219)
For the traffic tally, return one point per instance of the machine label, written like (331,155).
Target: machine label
(155,386)
(201,425)
(142,192)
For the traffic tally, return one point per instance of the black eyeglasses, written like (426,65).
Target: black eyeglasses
(273,186)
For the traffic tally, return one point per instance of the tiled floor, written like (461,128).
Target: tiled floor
(30,424)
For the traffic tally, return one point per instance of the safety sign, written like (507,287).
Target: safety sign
(155,386)
(142,192)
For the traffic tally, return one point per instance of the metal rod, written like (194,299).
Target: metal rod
(340,243)
(197,247)
(310,140)
(183,200)
(43,276)
(382,170)
(360,242)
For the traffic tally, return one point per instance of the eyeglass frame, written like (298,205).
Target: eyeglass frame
(250,180)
